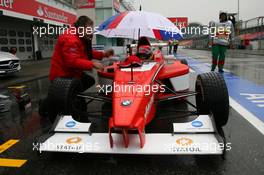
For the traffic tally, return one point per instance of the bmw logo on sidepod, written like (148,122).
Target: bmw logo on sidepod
(197,124)
(70,124)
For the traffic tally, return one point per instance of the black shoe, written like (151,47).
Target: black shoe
(221,71)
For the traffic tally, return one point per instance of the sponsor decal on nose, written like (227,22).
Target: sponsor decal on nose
(73,140)
(126,102)
(184,141)
(197,124)
(70,124)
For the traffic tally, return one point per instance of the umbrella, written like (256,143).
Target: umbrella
(134,24)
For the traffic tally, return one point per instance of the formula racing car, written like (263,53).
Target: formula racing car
(133,93)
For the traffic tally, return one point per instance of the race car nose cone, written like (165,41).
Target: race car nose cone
(126,102)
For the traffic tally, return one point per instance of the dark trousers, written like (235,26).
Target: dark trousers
(175,48)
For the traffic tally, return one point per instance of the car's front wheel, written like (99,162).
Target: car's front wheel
(212,97)
(63,99)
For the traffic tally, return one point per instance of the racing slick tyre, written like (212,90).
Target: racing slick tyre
(212,97)
(62,98)
(184,61)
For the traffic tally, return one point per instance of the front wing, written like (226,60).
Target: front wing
(197,137)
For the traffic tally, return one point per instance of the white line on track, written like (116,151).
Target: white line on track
(252,119)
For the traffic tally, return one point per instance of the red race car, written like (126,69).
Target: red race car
(134,93)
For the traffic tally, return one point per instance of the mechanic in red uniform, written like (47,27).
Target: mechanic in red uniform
(73,54)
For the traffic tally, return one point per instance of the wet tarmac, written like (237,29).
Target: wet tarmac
(245,157)
(250,67)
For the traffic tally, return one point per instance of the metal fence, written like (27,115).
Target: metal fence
(255,22)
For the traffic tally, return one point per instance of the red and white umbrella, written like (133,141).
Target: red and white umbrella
(134,24)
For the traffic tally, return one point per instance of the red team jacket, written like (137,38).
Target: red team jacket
(70,58)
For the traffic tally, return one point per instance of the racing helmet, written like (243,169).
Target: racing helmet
(143,41)
(144,52)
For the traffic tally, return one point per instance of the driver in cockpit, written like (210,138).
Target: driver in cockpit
(144,50)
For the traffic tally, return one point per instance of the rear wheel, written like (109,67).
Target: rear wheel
(212,97)
(62,98)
